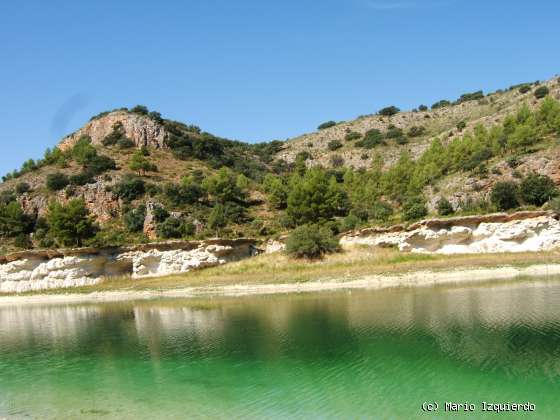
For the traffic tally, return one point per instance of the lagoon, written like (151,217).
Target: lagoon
(345,354)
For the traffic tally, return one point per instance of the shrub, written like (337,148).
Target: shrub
(541,92)
(393,133)
(114,136)
(336,161)
(22,187)
(504,195)
(414,208)
(334,145)
(416,131)
(188,192)
(444,207)
(352,135)
(100,164)
(311,241)
(130,188)
(471,96)
(125,143)
(139,162)
(441,104)
(513,161)
(422,108)
(325,125)
(171,228)
(57,181)
(134,219)
(350,222)
(555,205)
(81,179)
(389,111)
(537,189)
(380,211)
(524,88)
(371,139)
(23,241)
(461,125)
(140,109)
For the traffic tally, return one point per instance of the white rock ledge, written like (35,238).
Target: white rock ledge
(42,270)
(518,232)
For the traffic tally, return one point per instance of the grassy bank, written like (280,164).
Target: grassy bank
(349,265)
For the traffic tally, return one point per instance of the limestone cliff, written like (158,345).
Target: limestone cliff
(53,269)
(518,232)
(142,130)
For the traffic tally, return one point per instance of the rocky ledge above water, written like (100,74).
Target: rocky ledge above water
(53,269)
(518,232)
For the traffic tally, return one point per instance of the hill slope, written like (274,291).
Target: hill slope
(142,177)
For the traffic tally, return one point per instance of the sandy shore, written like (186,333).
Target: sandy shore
(411,279)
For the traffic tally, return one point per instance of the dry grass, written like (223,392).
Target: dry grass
(351,264)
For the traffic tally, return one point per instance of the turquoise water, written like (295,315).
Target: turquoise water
(316,356)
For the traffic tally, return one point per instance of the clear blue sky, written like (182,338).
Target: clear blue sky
(254,69)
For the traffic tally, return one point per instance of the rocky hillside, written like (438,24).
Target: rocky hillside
(132,176)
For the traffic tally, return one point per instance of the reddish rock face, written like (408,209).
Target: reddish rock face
(143,131)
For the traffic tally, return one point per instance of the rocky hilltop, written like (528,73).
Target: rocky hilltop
(142,130)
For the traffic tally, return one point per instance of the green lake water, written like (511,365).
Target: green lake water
(343,355)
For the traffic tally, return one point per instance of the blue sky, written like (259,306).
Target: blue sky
(255,70)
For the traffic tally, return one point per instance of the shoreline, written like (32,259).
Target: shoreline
(420,278)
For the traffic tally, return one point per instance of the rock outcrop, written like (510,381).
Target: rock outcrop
(142,130)
(42,270)
(517,232)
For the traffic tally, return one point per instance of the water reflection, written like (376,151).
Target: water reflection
(473,323)
(327,355)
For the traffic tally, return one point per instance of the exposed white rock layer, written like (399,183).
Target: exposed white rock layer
(468,235)
(40,271)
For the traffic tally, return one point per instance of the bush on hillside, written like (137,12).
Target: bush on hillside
(537,189)
(371,139)
(524,88)
(82,178)
(389,111)
(422,108)
(129,188)
(326,125)
(334,145)
(471,96)
(140,109)
(57,181)
(416,131)
(441,104)
(352,135)
(444,207)
(22,188)
(541,92)
(311,241)
(414,208)
(172,228)
(504,195)
(134,219)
